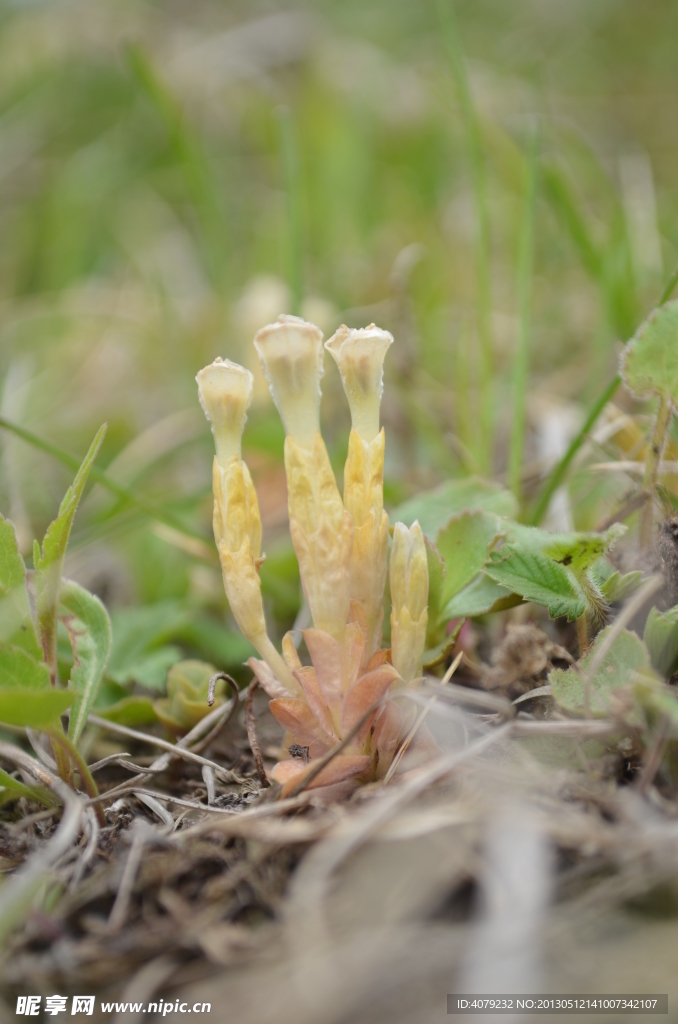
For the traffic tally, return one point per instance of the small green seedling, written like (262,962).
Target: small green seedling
(186,702)
(31,694)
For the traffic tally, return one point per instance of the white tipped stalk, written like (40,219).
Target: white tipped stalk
(225,390)
(360,354)
(291,356)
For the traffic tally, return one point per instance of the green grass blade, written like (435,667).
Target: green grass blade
(558,473)
(72,462)
(522,354)
(476,156)
(289,151)
(190,154)
(49,559)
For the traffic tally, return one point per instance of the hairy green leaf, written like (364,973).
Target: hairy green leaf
(32,710)
(536,577)
(434,508)
(49,559)
(89,630)
(16,621)
(661,637)
(650,360)
(627,658)
(578,551)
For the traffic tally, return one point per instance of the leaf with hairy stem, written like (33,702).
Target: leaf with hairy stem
(536,577)
(48,560)
(89,630)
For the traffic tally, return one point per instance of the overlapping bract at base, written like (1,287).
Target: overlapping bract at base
(341,546)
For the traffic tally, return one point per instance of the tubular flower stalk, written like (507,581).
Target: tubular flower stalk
(409,600)
(291,355)
(225,389)
(342,549)
(360,354)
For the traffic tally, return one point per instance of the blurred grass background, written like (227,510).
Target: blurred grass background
(496,187)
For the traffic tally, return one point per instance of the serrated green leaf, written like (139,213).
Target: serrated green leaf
(12,789)
(536,577)
(661,638)
(19,670)
(617,587)
(481,596)
(131,711)
(627,658)
(33,710)
(465,543)
(49,560)
(650,360)
(434,508)
(89,630)
(16,621)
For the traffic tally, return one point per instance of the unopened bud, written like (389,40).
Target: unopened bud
(291,356)
(360,354)
(409,599)
(409,569)
(225,390)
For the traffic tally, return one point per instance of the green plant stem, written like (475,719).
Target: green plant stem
(100,476)
(476,155)
(73,755)
(63,763)
(558,473)
(289,152)
(524,289)
(651,470)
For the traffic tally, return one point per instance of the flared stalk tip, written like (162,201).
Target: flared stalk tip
(360,355)
(225,391)
(291,356)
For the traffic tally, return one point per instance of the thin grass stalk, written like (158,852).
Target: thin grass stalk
(289,152)
(476,157)
(524,289)
(73,463)
(558,473)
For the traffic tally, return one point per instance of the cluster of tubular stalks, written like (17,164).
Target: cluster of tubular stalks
(342,546)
